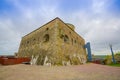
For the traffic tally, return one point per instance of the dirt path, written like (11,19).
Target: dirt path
(81,72)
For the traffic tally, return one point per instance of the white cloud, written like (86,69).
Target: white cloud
(95,25)
(99,6)
(9,37)
(29,19)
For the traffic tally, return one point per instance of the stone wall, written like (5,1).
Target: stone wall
(55,43)
(70,45)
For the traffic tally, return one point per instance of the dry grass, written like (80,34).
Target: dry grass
(81,72)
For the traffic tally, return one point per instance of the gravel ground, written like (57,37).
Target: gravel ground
(78,72)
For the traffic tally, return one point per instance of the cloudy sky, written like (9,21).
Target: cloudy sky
(97,21)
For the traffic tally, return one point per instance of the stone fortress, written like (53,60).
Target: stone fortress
(55,43)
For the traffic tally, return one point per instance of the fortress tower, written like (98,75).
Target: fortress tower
(55,43)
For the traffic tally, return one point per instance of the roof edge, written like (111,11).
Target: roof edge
(41,26)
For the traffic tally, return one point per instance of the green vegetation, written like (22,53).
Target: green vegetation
(108,60)
(117,64)
(117,56)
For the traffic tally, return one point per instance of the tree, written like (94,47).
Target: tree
(117,57)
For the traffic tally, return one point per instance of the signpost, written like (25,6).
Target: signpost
(112,54)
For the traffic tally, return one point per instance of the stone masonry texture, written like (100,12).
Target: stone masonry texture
(55,43)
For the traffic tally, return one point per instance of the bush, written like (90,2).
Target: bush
(108,59)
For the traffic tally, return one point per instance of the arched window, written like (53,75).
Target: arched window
(46,38)
(66,39)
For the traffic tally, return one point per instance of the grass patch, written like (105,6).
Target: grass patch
(117,64)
